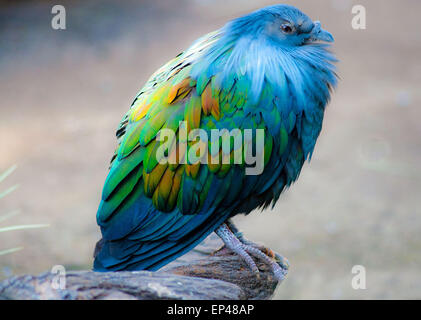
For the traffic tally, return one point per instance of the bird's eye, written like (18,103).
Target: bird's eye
(286,28)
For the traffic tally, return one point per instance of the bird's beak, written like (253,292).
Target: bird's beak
(318,34)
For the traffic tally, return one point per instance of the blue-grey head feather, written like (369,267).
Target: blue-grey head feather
(278,44)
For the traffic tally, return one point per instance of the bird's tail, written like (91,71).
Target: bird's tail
(132,254)
(98,247)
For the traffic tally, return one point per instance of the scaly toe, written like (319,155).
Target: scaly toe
(267,251)
(278,271)
(243,248)
(280,260)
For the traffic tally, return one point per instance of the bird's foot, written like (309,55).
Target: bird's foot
(275,257)
(282,261)
(245,248)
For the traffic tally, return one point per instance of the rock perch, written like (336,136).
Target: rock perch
(197,275)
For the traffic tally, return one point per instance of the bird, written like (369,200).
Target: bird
(270,70)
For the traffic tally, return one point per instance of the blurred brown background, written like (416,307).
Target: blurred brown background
(63,93)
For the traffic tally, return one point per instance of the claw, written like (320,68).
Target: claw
(257,275)
(269,253)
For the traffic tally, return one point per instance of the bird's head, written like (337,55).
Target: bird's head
(283,25)
(276,44)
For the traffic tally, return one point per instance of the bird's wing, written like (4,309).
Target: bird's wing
(161,204)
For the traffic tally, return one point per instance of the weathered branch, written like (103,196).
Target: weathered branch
(197,275)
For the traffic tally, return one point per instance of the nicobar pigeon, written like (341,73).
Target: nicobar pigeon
(270,70)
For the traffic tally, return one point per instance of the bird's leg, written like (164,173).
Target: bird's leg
(243,250)
(236,246)
(283,262)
